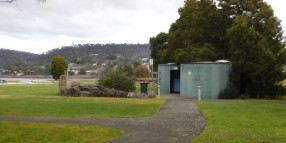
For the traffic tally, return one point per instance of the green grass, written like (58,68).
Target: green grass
(29,89)
(43,100)
(20,132)
(243,121)
(13,81)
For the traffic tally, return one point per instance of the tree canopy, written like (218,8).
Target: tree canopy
(59,67)
(246,32)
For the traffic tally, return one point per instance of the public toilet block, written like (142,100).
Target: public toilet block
(186,79)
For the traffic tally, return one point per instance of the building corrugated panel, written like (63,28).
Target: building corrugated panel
(165,80)
(212,77)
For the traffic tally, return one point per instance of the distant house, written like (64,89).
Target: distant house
(20,74)
(144,59)
(94,54)
(95,64)
(71,64)
(75,71)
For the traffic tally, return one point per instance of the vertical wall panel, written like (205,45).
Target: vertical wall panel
(165,80)
(213,77)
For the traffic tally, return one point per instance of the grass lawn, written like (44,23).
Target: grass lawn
(43,100)
(243,121)
(21,132)
(13,81)
(29,89)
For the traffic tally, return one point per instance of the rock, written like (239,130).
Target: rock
(140,95)
(131,95)
(116,93)
(84,93)
(72,92)
(85,87)
(75,84)
(100,88)
(123,94)
(99,91)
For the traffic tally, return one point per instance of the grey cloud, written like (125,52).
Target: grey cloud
(79,18)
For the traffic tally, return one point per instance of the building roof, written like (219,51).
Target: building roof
(210,62)
(169,64)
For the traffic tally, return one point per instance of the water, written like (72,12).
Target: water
(28,80)
(39,80)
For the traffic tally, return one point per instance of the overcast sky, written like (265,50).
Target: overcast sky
(27,25)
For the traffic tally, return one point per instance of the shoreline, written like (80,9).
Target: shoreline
(46,77)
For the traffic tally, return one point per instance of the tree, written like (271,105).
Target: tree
(137,63)
(78,60)
(195,36)
(158,44)
(128,70)
(256,47)
(59,67)
(107,82)
(111,57)
(245,32)
(141,71)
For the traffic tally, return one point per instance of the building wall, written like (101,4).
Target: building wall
(165,80)
(213,77)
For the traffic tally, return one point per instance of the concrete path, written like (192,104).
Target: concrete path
(178,121)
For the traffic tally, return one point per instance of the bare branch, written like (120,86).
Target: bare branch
(8,1)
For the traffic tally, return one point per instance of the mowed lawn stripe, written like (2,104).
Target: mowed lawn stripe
(21,132)
(247,121)
(44,100)
(79,107)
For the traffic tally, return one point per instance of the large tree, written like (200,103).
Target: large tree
(255,46)
(195,36)
(246,32)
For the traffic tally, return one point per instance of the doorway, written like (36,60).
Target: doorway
(175,81)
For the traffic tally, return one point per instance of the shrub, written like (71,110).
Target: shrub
(120,80)
(244,96)
(229,93)
(141,71)
(107,82)
(58,67)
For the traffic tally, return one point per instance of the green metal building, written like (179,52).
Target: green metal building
(210,77)
(166,71)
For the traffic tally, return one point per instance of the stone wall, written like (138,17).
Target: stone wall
(78,90)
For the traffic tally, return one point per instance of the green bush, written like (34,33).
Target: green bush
(107,82)
(229,93)
(244,96)
(141,71)
(119,81)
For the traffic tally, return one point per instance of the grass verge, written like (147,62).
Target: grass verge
(244,121)
(29,89)
(21,132)
(43,100)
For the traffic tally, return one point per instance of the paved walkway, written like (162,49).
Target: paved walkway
(178,121)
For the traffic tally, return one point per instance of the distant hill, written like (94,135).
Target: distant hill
(8,57)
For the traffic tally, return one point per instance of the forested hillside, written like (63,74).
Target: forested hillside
(8,57)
